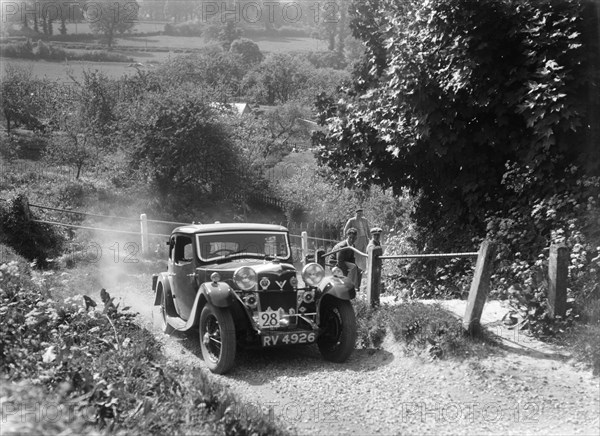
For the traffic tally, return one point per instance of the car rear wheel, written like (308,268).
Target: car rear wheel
(165,326)
(338,330)
(217,338)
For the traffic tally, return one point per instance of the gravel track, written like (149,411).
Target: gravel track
(525,387)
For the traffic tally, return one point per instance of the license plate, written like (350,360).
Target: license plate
(272,340)
(270,318)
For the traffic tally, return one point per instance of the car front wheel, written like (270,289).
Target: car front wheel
(217,338)
(338,330)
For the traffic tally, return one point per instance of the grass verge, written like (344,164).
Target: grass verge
(421,329)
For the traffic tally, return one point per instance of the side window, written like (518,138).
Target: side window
(183,250)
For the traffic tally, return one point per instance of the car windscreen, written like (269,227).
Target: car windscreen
(219,245)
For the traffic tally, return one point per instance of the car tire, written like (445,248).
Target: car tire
(164,325)
(217,338)
(338,336)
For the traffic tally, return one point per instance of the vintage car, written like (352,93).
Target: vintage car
(236,283)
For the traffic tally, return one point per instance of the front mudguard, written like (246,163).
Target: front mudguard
(218,294)
(338,287)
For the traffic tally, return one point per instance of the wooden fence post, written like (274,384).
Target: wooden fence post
(374,274)
(144,233)
(558,271)
(304,241)
(480,287)
(26,209)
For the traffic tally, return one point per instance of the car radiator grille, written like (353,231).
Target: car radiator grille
(277,299)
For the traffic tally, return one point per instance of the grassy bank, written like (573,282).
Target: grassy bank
(83,365)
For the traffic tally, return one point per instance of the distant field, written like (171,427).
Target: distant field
(141,48)
(59,70)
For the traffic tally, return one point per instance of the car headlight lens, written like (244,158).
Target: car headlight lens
(312,274)
(245,277)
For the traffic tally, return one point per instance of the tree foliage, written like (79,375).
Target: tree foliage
(473,106)
(248,50)
(109,17)
(179,141)
(21,98)
(213,68)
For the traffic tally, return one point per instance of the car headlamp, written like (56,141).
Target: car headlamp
(215,277)
(245,277)
(312,274)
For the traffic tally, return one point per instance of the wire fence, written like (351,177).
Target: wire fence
(305,237)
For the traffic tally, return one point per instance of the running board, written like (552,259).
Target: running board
(177,323)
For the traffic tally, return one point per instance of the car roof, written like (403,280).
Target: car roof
(228,227)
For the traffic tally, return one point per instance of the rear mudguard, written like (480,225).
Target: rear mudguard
(163,280)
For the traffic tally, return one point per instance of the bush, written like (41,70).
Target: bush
(42,50)
(326,59)
(17,50)
(109,372)
(430,328)
(35,241)
(188,28)
(420,328)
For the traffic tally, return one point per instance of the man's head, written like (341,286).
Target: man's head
(351,234)
(376,233)
(359,212)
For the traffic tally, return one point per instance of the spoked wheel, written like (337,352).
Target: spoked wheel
(165,327)
(217,338)
(338,324)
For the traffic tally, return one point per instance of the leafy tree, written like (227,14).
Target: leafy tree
(474,106)
(225,31)
(21,98)
(248,50)
(279,78)
(83,119)
(311,193)
(177,140)
(109,17)
(213,69)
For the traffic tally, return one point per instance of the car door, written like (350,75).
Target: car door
(183,282)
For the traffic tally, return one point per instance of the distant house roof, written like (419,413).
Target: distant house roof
(239,108)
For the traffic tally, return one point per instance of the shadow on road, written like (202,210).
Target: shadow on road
(260,366)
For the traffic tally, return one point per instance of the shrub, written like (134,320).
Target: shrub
(17,50)
(188,28)
(35,241)
(422,327)
(103,367)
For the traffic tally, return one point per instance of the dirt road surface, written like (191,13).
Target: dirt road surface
(525,387)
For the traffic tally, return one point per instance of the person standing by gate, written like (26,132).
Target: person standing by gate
(375,237)
(361,224)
